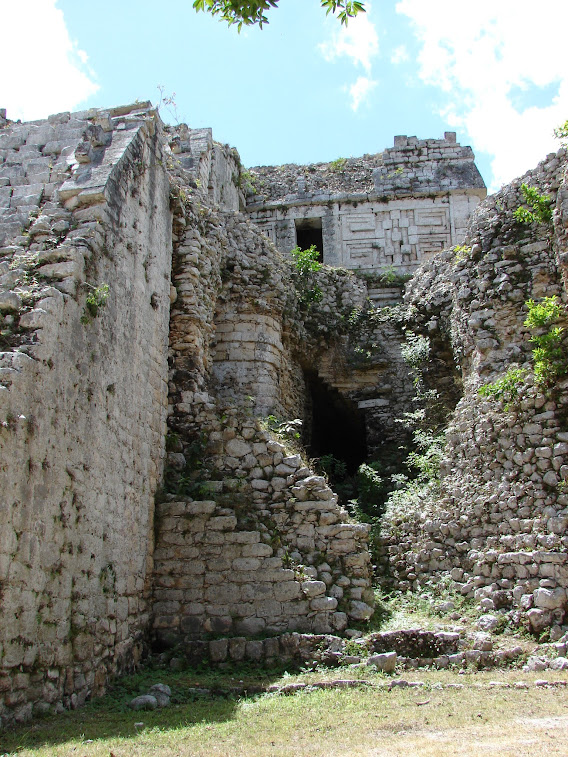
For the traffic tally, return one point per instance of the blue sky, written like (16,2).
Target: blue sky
(303,89)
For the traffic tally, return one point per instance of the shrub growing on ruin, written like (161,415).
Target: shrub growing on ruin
(539,210)
(338,166)
(507,388)
(549,355)
(561,133)
(427,456)
(96,299)
(371,490)
(247,181)
(306,261)
(307,264)
(334,468)
(415,351)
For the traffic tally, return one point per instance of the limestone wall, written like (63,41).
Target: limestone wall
(496,522)
(205,167)
(270,551)
(392,209)
(83,399)
(248,541)
(132,292)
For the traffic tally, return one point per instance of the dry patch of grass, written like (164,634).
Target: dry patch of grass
(429,721)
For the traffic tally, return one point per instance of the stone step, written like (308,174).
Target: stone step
(385,296)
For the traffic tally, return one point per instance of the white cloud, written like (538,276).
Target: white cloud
(399,55)
(477,57)
(44,71)
(360,91)
(358,41)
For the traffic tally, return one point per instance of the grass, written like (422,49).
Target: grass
(453,712)
(430,720)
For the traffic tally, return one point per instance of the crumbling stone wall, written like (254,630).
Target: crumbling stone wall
(210,170)
(248,539)
(392,209)
(83,399)
(496,523)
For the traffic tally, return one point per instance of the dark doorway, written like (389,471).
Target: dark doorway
(308,233)
(335,426)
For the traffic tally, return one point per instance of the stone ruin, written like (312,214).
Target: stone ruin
(159,350)
(394,209)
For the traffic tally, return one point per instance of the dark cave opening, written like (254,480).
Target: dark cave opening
(309,232)
(335,425)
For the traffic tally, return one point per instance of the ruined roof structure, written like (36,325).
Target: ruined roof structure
(160,352)
(390,210)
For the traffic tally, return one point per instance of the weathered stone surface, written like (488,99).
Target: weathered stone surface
(161,692)
(360,611)
(96,476)
(144,702)
(313,588)
(10,302)
(550,599)
(385,662)
(237,448)
(488,622)
(247,538)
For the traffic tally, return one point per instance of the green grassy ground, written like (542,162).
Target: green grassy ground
(453,713)
(433,719)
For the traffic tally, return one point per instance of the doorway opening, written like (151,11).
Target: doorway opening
(335,426)
(309,232)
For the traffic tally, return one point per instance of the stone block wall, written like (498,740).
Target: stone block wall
(269,552)
(495,524)
(204,165)
(83,399)
(248,540)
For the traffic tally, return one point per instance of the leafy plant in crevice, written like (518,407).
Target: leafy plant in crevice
(361,491)
(539,210)
(368,505)
(306,267)
(549,354)
(427,456)
(334,468)
(247,181)
(461,253)
(397,172)
(361,327)
(168,102)
(422,482)
(550,360)
(289,432)
(96,299)
(420,470)
(338,165)
(387,277)
(415,351)
(186,482)
(173,442)
(437,383)
(507,388)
